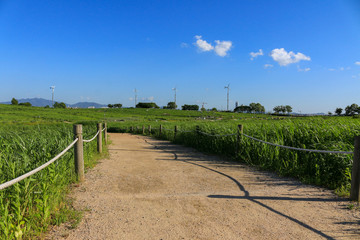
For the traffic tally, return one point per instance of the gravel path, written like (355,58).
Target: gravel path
(152,189)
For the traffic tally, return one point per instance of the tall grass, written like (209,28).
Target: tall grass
(28,207)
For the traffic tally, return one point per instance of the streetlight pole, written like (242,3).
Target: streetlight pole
(228,90)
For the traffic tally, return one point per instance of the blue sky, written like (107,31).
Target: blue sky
(302,53)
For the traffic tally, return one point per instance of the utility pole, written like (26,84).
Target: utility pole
(52,99)
(135,97)
(228,90)
(175,96)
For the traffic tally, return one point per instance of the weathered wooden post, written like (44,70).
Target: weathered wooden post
(99,138)
(197,129)
(137,129)
(105,135)
(149,129)
(79,153)
(143,129)
(160,130)
(238,139)
(175,132)
(355,176)
(131,129)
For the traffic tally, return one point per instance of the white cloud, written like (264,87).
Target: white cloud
(222,47)
(331,69)
(357,63)
(130,99)
(267,66)
(304,70)
(255,54)
(203,45)
(342,69)
(150,98)
(184,45)
(285,58)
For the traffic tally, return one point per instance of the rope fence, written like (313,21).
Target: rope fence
(218,135)
(92,138)
(18,179)
(298,149)
(78,155)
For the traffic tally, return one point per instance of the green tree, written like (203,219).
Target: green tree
(59,105)
(117,105)
(214,109)
(110,106)
(277,109)
(352,109)
(243,109)
(288,109)
(14,101)
(190,107)
(171,105)
(338,111)
(146,105)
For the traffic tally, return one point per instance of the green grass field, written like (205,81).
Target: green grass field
(30,136)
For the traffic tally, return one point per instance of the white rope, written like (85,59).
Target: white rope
(299,149)
(218,135)
(185,131)
(18,179)
(103,130)
(92,138)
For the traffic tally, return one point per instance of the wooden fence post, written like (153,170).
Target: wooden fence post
(99,138)
(105,126)
(131,129)
(79,153)
(175,132)
(143,129)
(149,129)
(160,130)
(355,176)
(238,139)
(197,129)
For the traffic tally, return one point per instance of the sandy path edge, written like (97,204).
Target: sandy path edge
(152,189)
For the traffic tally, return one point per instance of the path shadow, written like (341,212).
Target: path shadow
(191,156)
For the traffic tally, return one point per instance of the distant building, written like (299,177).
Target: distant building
(91,107)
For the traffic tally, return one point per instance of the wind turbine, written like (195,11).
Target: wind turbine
(228,89)
(52,88)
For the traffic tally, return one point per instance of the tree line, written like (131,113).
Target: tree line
(350,110)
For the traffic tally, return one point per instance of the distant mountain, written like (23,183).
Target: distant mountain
(86,105)
(37,102)
(40,102)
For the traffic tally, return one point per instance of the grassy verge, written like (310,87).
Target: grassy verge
(32,205)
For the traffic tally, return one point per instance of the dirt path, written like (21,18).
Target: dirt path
(151,189)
